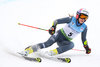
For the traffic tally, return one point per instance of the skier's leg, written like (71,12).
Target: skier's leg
(46,44)
(64,46)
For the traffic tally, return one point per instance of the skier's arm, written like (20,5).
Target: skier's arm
(61,21)
(84,41)
(58,21)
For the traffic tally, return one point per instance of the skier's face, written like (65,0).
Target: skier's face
(81,20)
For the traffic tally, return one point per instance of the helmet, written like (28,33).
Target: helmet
(82,13)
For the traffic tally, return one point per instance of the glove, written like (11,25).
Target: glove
(52,30)
(88,50)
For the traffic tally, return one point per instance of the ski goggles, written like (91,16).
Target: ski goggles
(82,16)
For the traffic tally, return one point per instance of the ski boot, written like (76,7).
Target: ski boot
(27,51)
(52,52)
(30,50)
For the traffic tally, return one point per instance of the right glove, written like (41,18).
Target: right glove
(88,50)
(52,30)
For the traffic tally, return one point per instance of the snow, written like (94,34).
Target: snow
(41,13)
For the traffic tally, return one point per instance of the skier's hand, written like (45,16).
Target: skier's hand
(52,30)
(88,50)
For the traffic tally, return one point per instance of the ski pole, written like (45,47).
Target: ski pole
(78,50)
(44,30)
(32,26)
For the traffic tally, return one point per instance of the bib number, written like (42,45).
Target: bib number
(70,34)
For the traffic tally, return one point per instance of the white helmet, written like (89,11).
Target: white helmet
(82,11)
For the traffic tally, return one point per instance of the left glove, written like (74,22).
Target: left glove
(88,50)
(52,30)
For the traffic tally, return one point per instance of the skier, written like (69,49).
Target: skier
(63,37)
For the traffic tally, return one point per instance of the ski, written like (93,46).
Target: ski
(57,59)
(31,58)
(68,60)
(19,55)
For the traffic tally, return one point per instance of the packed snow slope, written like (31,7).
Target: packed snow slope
(41,13)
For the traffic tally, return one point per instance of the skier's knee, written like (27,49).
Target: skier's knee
(43,45)
(65,48)
(71,45)
(47,44)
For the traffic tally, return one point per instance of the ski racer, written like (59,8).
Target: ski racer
(64,36)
